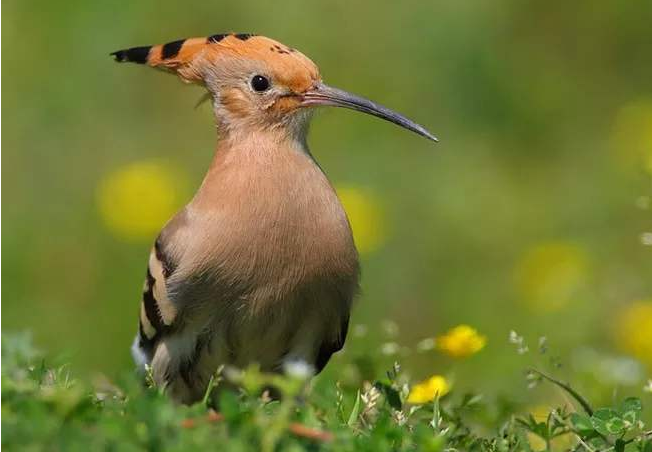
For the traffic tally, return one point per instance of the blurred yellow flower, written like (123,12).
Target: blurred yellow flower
(549,275)
(365,214)
(426,391)
(631,140)
(461,341)
(135,201)
(633,330)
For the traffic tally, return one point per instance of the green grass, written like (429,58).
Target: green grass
(46,408)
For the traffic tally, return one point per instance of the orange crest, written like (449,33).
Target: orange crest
(190,58)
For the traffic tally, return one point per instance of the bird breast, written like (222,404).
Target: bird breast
(267,224)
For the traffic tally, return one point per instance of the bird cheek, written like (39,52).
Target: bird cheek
(286,104)
(235,102)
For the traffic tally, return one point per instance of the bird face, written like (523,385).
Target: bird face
(259,83)
(256,82)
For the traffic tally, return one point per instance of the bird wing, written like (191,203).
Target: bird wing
(165,291)
(157,311)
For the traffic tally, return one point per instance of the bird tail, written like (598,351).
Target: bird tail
(182,57)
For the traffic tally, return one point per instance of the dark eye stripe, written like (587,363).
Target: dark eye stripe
(171,49)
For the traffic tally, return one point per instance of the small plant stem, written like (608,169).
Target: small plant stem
(574,394)
(209,389)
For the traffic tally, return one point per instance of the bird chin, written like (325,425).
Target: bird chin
(298,122)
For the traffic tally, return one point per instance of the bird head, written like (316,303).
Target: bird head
(256,82)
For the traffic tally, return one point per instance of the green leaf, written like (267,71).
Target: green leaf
(631,404)
(603,420)
(582,424)
(630,409)
(354,412)
(597,442)
(470,400)
(538,428)
(229,405)
(616,426)
(541,429)
(646,446)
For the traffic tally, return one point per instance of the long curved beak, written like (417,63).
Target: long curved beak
(328,96)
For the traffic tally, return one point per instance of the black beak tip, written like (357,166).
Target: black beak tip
(424,133)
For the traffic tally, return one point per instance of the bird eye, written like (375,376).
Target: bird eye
(260,83)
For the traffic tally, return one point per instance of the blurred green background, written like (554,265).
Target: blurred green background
(534,212)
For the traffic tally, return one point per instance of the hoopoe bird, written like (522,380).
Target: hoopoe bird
(260,266)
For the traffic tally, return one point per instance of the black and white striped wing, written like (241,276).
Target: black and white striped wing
(157,310)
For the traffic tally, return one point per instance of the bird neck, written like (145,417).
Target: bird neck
(261,141)
(257,166)
(237,128)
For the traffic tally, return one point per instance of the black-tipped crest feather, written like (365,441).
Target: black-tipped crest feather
(133,55)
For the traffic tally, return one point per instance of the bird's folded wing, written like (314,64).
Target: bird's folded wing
(157,311)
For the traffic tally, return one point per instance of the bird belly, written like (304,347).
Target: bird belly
(260,329)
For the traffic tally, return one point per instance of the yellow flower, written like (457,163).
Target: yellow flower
(135,201)
(426,391)
(366,217)
(461,341)
(634,330)
(549,275)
